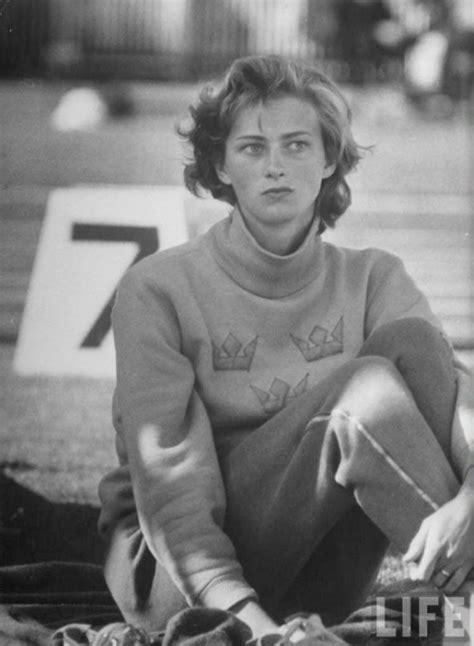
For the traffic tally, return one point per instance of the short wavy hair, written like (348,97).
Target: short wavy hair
(259,79)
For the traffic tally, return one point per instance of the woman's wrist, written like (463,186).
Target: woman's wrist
(251,613)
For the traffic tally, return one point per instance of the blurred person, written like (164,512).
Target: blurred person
(458,70)
(359,35)
(284,407)
(439,63)
(424,63)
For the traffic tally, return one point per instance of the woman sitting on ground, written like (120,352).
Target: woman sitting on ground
(284,407)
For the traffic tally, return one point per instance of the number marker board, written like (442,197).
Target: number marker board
(90,237)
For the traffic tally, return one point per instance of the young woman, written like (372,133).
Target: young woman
(284,407)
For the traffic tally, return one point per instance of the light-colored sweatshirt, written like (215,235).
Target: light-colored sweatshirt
(213,337)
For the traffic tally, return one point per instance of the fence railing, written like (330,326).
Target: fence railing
(183,38)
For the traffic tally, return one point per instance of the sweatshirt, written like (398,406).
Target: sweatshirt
(212,338)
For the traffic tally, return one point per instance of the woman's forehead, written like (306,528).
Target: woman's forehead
(279,114)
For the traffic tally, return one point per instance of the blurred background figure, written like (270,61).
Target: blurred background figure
(85,108)
(458,71)
(439,57)
(363,34)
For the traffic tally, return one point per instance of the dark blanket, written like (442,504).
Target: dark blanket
(56,593)
(68,604)
(62,592)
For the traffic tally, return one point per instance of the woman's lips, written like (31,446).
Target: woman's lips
(278,190)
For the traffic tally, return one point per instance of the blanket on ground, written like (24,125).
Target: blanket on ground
(68,604)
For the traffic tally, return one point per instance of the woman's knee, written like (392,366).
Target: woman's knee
(375,385)
(360,386)
(424,359)
(371,370)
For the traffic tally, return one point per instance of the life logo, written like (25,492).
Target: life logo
(89,238)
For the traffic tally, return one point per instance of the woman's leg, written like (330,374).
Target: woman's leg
(341,571)
(358,436)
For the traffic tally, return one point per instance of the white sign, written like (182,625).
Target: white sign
(90,237)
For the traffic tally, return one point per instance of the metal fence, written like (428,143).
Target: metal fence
(24,35)
(178,39)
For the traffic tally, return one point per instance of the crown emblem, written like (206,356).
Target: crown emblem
(233,355)
(280,394)
(321,342)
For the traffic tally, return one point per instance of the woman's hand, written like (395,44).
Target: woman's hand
(255,617)
(443,547)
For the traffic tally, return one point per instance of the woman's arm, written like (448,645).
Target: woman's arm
(443,547)
(176,479)
(255,617)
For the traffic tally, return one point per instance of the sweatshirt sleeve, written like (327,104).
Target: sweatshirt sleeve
(175,474)
(392,294)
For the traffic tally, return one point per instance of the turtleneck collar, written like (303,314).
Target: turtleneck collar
(259,271)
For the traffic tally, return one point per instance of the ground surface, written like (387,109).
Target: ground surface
(57,442)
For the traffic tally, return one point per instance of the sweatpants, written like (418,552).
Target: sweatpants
(317,493)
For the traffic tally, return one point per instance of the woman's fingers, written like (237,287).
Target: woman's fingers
(417,545)
(442,550)
(429,560)
(425,550)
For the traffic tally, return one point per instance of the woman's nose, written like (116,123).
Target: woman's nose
(275,167)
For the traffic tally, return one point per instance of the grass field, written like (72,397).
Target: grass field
(56,434)
(57,442)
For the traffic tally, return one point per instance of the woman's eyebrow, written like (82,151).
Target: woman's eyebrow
(286,135)
(259,137)
(296,133)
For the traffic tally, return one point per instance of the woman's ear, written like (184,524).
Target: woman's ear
(222,175)
(329,170)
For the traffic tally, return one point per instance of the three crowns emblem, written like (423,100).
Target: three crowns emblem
(280,394)
(233,355)
(321,342)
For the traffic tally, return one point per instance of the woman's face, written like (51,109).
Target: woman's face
(275,162)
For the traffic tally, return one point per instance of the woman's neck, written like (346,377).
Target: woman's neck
(259,270)
(277,239)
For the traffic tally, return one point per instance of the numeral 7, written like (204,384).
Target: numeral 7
(147,240)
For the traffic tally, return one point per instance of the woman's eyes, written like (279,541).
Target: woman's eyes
(252,149)
(298,146)
(295,146)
